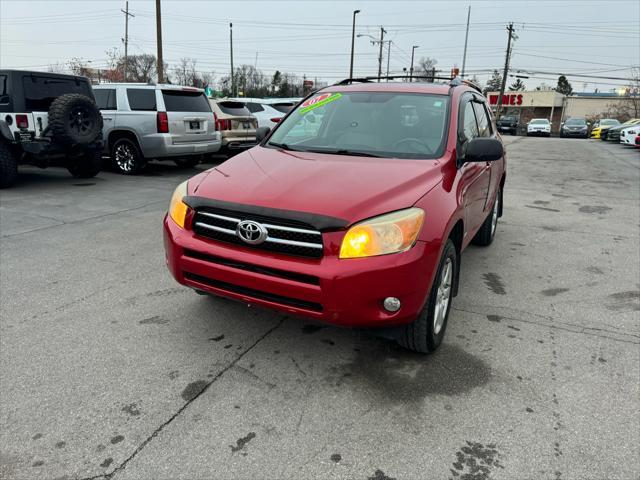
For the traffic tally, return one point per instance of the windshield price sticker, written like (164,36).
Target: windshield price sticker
(318,101)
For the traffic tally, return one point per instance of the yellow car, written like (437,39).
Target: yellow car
(602,125)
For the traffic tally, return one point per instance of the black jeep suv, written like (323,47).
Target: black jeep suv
(48,119)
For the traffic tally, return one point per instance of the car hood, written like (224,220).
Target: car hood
(346,187)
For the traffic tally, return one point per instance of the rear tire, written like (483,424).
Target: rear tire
(8,166)
(425,334)
(126,157)
(86,166)
(487,231)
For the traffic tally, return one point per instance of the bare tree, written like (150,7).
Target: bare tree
(140,68)
(426,68)
(56,68)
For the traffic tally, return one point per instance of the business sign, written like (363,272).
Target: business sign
(511,99)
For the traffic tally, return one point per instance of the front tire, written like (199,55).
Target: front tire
(126,157)
(487,231)
(87,165)
(425,334)
(8,166)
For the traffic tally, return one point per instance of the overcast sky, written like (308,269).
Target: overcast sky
(313,38)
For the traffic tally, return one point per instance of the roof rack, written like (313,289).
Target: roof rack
(453,81)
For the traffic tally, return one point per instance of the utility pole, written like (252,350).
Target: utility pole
(413,49)
(353,39)
(159,42)
(382,32)
(506,68)
(388,57)
(126,36)
(466,37)
(233,77)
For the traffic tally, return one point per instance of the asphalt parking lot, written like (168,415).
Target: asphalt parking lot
(108,367)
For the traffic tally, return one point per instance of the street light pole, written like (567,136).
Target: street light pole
(388,57)
(413,49)
(353,40)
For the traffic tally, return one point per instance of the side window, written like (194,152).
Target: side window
(142,99)
(469,125)
(105,98)
(255,107)
(484,126)
(4,95)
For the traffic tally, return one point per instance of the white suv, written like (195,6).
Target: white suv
(143,122)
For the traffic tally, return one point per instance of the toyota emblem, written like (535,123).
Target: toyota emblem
(251,232)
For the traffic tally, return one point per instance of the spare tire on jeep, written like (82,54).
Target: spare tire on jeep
(74,119)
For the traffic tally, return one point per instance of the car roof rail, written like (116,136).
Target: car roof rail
(453,81)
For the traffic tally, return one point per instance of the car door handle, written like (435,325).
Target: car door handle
(107,119)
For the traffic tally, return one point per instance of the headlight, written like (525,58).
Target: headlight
(177,208)
(390,233)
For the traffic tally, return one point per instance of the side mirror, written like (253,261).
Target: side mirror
(588,124)
(483,149)
(261,133)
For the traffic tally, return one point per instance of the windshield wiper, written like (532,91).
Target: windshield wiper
(353,153)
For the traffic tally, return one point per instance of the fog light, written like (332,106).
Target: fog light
(391,304)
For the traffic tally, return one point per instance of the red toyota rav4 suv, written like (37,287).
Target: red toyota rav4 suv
(353,211)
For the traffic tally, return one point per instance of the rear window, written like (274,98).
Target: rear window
(283,107)
(41,90)
(237,109)
(105,98)
(183,101)
(539,121)
(255,107)
(141,99)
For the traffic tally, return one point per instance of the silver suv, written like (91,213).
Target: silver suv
(143,121)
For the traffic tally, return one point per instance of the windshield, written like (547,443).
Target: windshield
(576,121)
(539,121)
(609,122)
(378,124)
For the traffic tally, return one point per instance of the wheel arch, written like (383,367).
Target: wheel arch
(117,134)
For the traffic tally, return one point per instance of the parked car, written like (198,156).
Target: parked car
(163,122)
(284,105)
(236,124)
(508,124)
(46,119)
(539,126)
(575,127)
(264,112)
(361,222)
(613,133)
(629,135)
(602,125)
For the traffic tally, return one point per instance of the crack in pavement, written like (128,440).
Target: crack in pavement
(568,327)
(158,430)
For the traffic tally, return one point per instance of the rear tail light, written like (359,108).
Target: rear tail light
(22,121)
(223,124)
(163,122)
(276,120)
(215,121)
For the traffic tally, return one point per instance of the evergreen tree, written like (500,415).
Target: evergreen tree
(494,83)
(564,86)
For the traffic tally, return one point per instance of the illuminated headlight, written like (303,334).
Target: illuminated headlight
(177,208)
(391,233)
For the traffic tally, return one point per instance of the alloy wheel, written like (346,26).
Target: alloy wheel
(443,296)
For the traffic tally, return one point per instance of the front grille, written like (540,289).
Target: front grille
(284,236)
(257,294)
(274,272)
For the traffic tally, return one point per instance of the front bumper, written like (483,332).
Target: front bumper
(544,133)
(628,139)
(574,133)
(340,292)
